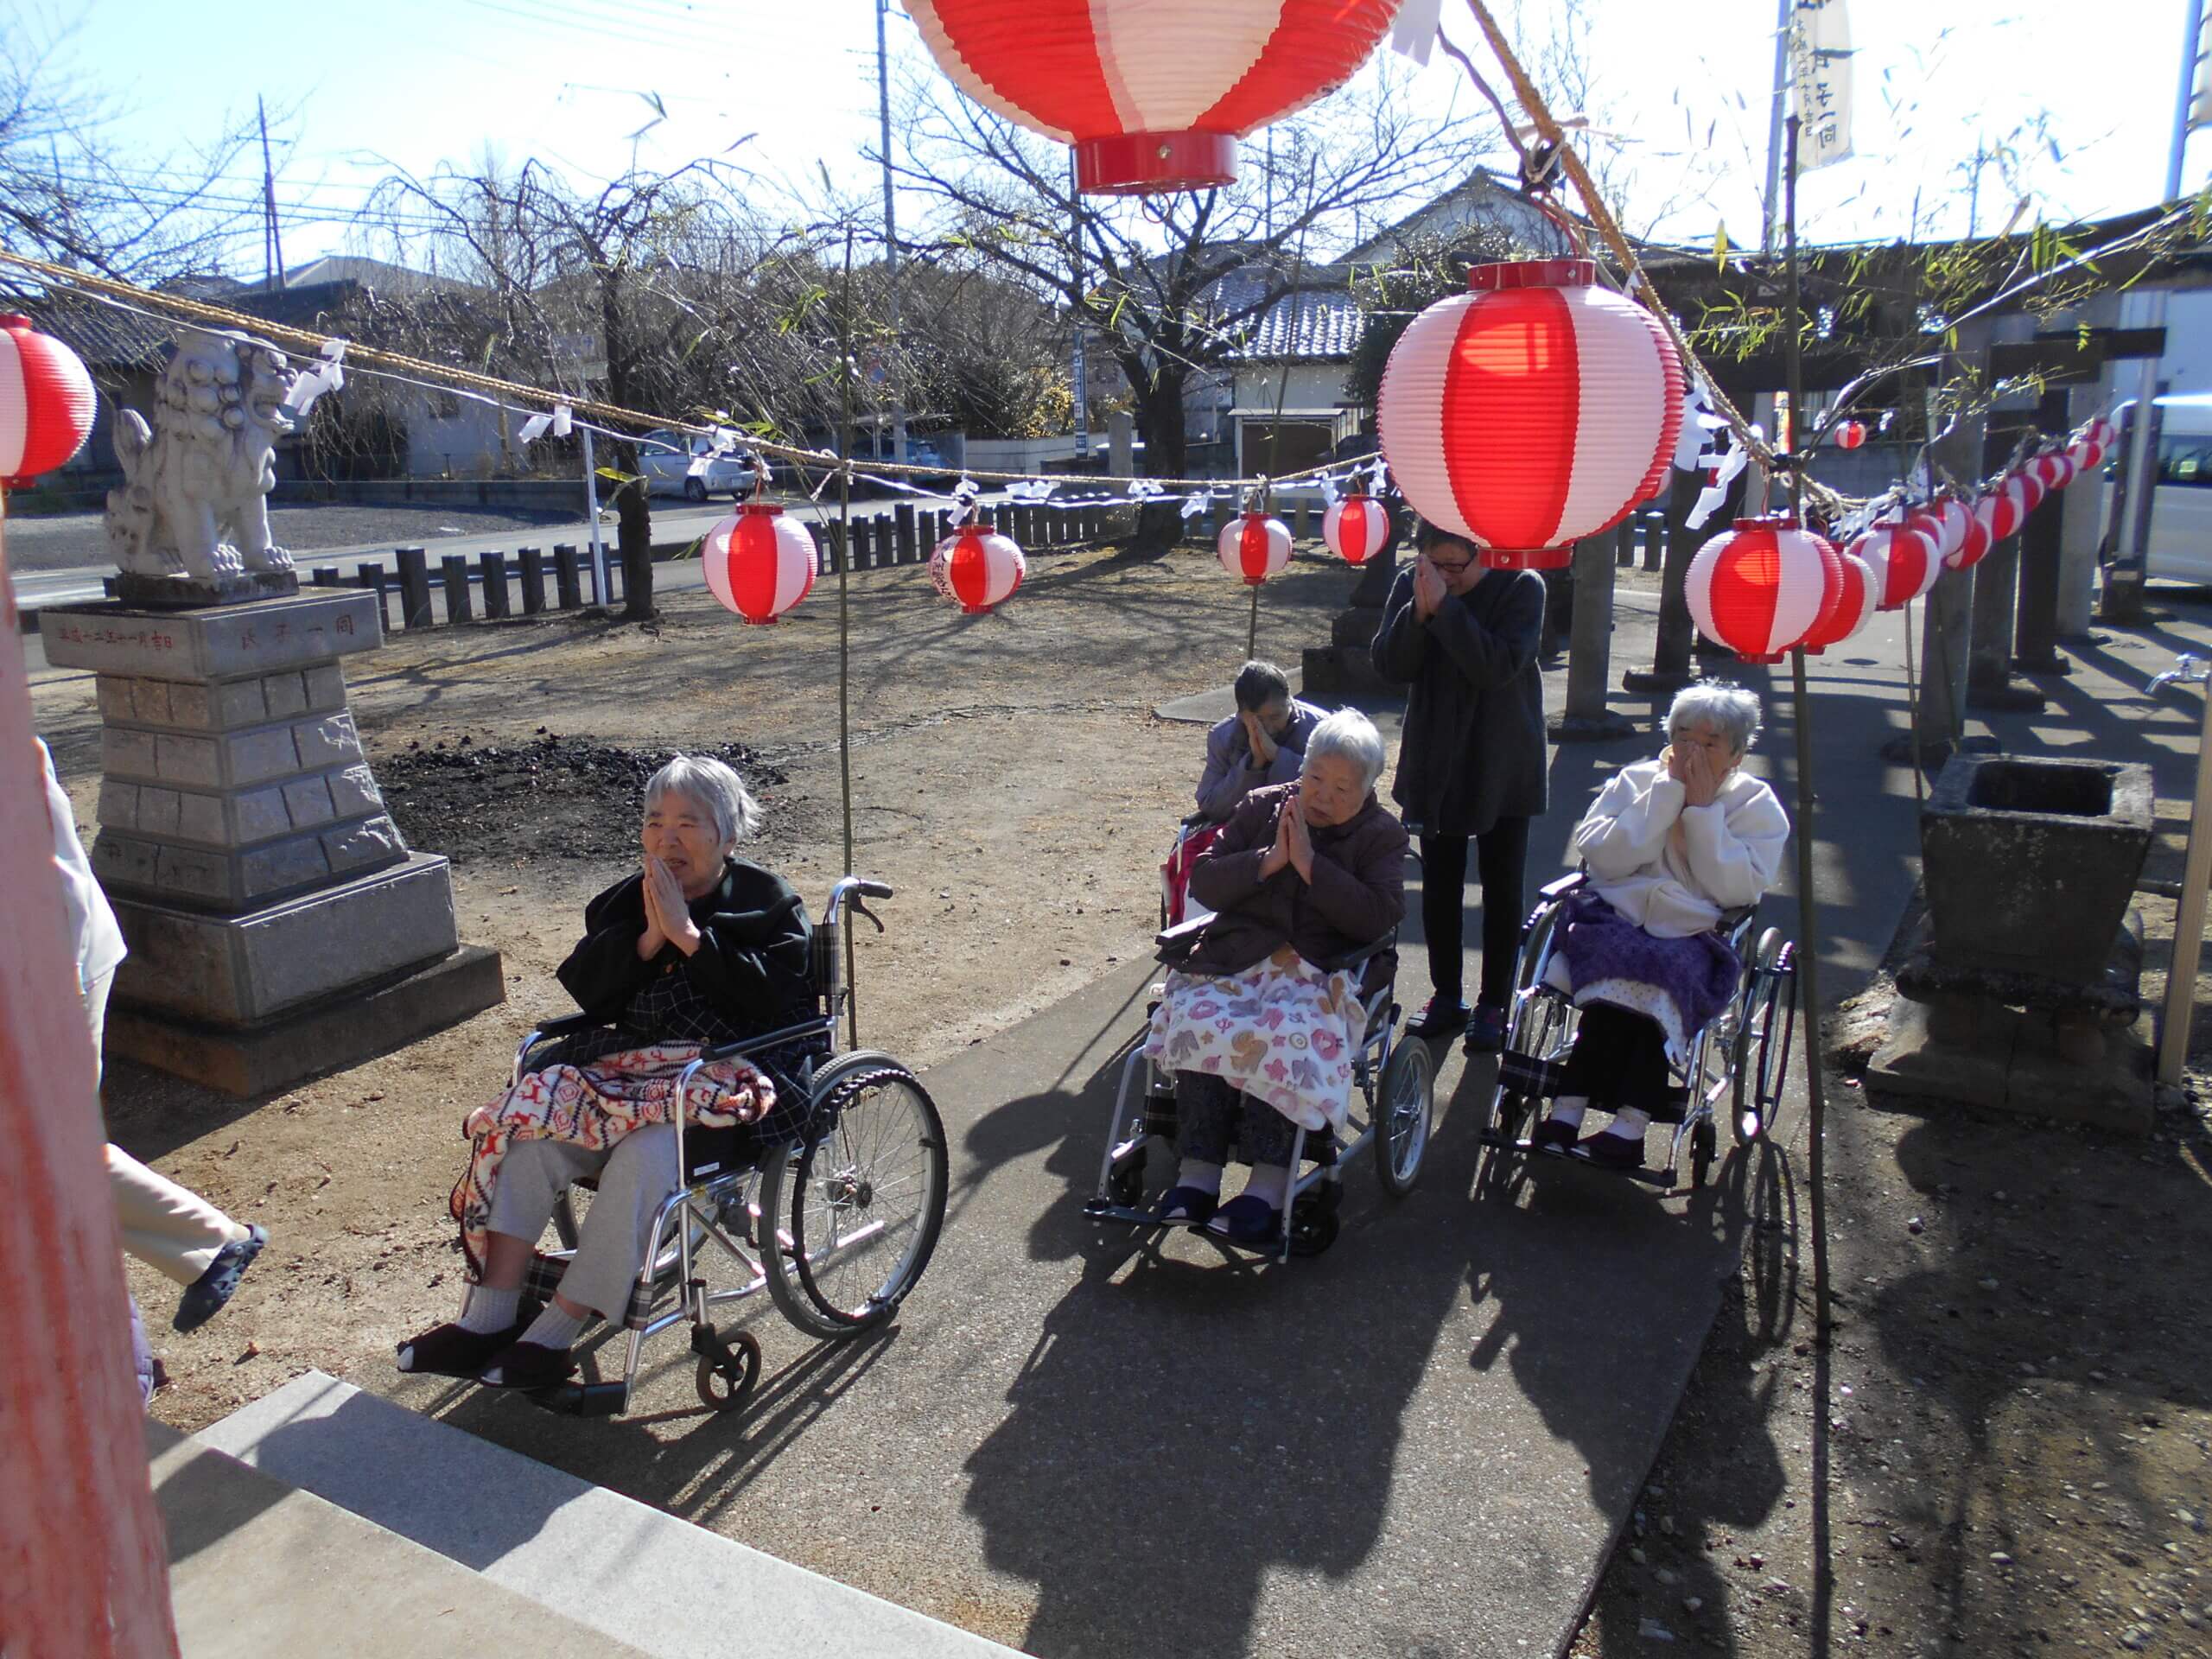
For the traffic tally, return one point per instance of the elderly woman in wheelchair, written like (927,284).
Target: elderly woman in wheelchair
(1671,846)
(697,948)
(1260,1021)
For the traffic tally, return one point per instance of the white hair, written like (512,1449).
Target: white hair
(711,785)
(1352,736)
(1729,709)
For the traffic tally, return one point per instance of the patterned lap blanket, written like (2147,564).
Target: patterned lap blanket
(594,1106)
(1605,957)
(1284,1032)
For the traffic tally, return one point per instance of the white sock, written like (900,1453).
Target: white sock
(1196,1171)
(1270,1183)
(1568,1109)
(555,1329)
(488,1310)
(1629,1123)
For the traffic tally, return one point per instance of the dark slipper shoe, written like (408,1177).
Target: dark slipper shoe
(1440,1018)
(1485,1029)
(1246,1220)
(1191,1205)
(1552,1136)
(204,1297)
(450,1350)
(1612,1151)
(527,1365)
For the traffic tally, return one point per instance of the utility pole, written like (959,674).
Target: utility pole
(1772,217)
(1082,362)
(272,245)
(890,228)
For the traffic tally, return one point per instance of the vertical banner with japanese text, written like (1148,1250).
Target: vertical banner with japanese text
(1820,51)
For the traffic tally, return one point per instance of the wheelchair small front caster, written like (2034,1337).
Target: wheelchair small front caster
(1313,1222)
(728,1370)
(1125,1182)
(1703,1144)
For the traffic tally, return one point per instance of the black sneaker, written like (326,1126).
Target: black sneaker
(1486,1030)
(1438,1019)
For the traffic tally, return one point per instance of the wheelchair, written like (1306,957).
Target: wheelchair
(1192,837)
(1396,1080)
(837,1225)
(1740,1059)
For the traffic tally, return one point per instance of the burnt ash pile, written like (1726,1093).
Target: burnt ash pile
(550,797)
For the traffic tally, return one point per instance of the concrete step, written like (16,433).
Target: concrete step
(664,1586)
(260,1570)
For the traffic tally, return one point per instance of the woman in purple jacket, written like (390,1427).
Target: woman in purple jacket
(1260,1022)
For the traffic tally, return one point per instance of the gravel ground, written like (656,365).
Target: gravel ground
(69,540)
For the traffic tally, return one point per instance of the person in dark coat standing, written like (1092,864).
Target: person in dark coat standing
(1472,765)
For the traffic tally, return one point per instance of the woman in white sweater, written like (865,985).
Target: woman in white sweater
(1671,844)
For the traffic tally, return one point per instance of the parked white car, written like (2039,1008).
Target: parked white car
(688,465)
(2181,505)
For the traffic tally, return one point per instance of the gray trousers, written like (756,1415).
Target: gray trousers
(635,1180)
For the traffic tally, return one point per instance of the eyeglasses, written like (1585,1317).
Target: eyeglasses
(1450,567)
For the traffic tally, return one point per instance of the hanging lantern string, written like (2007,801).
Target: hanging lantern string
(172,308)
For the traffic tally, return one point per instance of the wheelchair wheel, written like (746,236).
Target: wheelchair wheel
(1541,1033)
(856,1204)
(726,1372)
(1404,1107)
(1125,1181)
(1761,1062)
(1704,1142)
(1313,1222)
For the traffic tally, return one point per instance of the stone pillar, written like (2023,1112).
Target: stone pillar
(1946,630)
(1589,662)
(533,581)
(2035,645)
(279,927)
(902,516)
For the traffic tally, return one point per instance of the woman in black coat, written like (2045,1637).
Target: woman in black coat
(698,948)
(1471,764)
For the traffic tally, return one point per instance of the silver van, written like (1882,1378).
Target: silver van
(2181,505)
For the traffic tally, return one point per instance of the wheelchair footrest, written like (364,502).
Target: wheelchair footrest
(583,1399)
(1664,1180)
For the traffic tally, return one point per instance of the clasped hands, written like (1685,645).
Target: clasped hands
(1263,747)
(667,917)
(1293,844)
(1690,765)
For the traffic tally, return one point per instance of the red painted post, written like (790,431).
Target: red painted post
(83,1568)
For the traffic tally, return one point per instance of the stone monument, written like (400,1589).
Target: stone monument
(279,926)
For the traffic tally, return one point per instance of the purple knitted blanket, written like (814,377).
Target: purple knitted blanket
(1682,983)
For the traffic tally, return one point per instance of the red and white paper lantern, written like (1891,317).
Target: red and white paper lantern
(1759,586)
(1356,528)
(2054,471)
(1849,434)
(1954,523)
(46,403)
(1154,94)
(977,568)
(1903,562)
(759,562)
(1998,515)
(1530,412)
(2091,445)
(2030,488)
(1854,609)
(1254,547)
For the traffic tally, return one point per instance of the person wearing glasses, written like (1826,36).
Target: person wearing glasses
(1471,761)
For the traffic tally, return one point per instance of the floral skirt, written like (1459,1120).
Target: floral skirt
(1284,1032)
(594,1105)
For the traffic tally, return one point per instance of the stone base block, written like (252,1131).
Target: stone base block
(169,872)
(1608,727)
(329,1036)
(239,971)
(1337,671)
(2010,1061)
(184,592)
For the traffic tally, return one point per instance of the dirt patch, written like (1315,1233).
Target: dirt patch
(550,796)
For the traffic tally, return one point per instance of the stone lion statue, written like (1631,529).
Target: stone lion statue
(194,500)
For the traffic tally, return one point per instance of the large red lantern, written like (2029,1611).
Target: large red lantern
(759,562)
(1533,411)
(1154,94)
(1252,547)
(1903,562)
(978,567)
(46,403)
(1759,586)
(1356,528)
(1854,609)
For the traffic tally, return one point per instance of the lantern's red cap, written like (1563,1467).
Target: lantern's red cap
(759,510)
(16,319)
(1147,164)
(1769,521)
(1533,273)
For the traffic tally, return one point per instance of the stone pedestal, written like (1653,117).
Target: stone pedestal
(1344,667)
(278,925)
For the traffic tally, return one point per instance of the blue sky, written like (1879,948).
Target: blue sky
(417,82)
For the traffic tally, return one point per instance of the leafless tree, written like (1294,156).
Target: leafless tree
(1151,280)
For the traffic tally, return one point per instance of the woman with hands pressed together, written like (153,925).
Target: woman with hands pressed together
(697,948)
(1670,845)
(1259,1022)
(1471,764)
